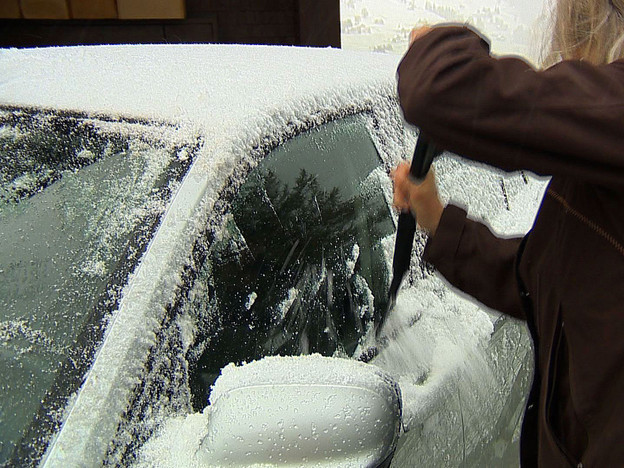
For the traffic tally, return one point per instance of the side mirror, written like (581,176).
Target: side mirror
(302,410)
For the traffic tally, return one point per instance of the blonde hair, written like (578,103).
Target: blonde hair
(591,30)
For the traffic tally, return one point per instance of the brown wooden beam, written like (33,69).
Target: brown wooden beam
(39,33)
(319,23)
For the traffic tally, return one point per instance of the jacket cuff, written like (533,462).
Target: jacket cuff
(442,247)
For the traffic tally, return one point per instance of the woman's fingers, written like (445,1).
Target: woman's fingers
(401,187)
(421,199)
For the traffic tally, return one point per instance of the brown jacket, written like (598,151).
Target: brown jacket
(566,277)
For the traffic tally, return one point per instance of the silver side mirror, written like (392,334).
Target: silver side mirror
(303,410)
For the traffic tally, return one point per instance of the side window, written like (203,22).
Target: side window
(299,266)
(79,199)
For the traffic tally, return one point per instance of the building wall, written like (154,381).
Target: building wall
(285,22)
(251,21)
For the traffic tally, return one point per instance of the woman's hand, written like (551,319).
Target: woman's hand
(421,199)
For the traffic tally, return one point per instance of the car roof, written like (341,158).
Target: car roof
(212,86)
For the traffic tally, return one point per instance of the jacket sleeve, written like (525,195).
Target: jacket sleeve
(565,120)
(477,262)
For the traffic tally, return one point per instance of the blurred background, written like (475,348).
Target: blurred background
(513,27)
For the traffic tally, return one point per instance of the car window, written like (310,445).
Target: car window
(79,199)
(299,265)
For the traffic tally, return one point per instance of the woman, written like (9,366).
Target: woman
(566,277)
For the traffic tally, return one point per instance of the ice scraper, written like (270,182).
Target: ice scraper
(406,228)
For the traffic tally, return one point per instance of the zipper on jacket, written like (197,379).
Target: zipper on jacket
(530,423)
(552,374)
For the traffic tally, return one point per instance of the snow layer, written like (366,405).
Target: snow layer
(217,86)
(176,443)
(300,370)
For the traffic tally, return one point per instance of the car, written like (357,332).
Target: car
(170,214)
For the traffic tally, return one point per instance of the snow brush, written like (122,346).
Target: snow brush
(424,153)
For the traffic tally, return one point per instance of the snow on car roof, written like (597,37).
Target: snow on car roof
(209,85)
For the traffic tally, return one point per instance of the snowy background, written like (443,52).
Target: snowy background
(513,27)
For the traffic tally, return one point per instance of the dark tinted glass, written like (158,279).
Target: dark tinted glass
(79,199)
(299,266)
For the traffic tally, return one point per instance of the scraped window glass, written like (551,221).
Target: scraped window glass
(79,199)
(299,266)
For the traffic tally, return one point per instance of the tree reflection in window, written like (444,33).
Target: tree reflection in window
(300,268)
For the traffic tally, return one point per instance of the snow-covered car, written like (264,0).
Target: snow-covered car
(170,211)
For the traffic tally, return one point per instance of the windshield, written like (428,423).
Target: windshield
(299,265)
(79,199)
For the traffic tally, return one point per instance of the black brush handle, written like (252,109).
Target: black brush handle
(406,228)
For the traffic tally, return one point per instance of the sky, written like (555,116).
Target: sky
(513,27)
